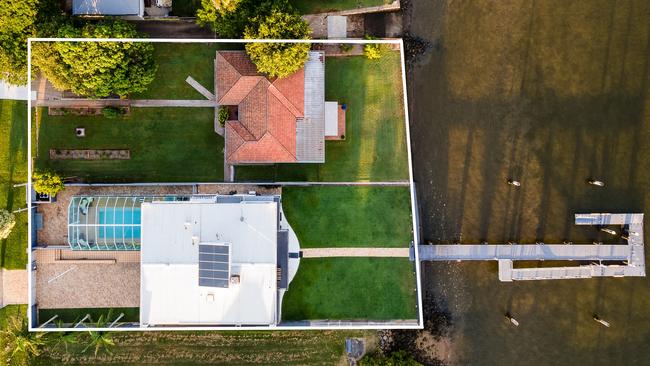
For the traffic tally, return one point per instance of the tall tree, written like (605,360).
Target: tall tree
(19,20)
(278,59)
(97,69)
(229,18)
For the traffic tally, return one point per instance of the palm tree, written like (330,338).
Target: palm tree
(19,345)
(100,339)
(65,338)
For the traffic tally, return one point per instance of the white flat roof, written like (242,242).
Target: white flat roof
(108,7)
(15,92)
(171,232)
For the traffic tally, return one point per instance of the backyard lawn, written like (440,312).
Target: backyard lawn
(13,170)
(351,288)
(177,61)
(349,216)
(375,145)
(315,6)
(166,145)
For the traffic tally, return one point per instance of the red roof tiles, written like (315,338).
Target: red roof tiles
(268,110)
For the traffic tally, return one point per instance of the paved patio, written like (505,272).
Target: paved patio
(92,285)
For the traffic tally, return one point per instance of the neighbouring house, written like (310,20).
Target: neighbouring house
(123,8)
(272,120)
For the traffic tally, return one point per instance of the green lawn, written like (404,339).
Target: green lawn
(212,348)
(167,145)
(349,216)
(9,311)
(315,6)
(13,170)
(375,146)
(75,315)
(351,288)
(177,61)
(185,8)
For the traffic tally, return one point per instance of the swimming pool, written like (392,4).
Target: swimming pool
(126,223)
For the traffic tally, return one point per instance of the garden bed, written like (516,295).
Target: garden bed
(59,154)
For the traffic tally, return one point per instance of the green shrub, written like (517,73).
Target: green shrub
(47,183)
(112,112)
(346,47)
(223,115)
(7,222)
(373,51)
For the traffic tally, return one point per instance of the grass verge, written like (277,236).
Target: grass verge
(374,148)
(13,170)
(166,144)
(349,216)
(351,288)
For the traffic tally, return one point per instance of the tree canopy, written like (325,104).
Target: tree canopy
(7,222)
(278,59)
(97,69)
(19,20)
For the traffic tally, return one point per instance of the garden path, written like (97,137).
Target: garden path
(14,287)
(354,252)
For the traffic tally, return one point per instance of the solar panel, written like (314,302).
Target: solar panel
(214,267)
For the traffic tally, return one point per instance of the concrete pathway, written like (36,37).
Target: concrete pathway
(14,287)
(355,252)
(199,88)
(171,103)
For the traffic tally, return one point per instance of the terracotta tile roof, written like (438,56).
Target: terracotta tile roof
(268,110)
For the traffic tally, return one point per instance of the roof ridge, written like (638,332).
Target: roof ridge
(284,100)
(265,117)
(233,84)
(280,143)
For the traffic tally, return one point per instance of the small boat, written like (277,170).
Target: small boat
(597,183)
(608,231)
(514,183)
(512,320)
(603,322)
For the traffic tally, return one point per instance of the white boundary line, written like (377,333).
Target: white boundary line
(369,325)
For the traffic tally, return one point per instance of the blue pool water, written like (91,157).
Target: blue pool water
(119,216)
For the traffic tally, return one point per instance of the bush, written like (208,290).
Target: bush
(223,115)
(346,47)
(7,222)
(47,183)
(373,51)
(400,358)
(112,112)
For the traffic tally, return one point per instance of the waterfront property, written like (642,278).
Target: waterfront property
(217,255)
(222,255)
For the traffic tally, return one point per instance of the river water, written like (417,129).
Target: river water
(550,93)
